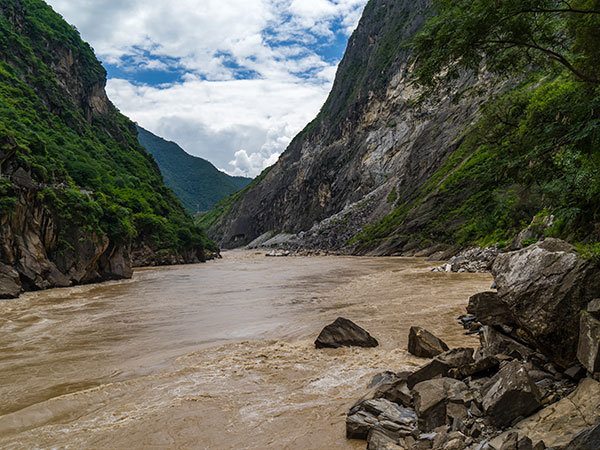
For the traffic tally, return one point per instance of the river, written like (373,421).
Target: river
(214,356)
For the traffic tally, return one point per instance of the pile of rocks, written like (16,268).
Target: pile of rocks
(471,260)
(533,382)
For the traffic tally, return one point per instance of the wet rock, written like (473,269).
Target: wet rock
(588,349)
(441,365)
(511,394)
(545,286)
(383,378)
(344,333)
(439,401)
(423,344)
(489,309)
(389,418)
(556,425)
(586,440)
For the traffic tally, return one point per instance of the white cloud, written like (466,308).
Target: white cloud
(239,124)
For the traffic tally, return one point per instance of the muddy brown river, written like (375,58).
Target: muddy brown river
(214,356)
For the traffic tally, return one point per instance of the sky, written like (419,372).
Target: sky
(231,81)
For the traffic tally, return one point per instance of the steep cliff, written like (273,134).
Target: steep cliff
(370,148)
(80,199)
(390,168)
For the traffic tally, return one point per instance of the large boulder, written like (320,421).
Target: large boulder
(588,349)
(441,365)
(490,310)
(440,401)
(494,343)
(545,286)
(423,344)
(344,333)
(559,423)
(511,394)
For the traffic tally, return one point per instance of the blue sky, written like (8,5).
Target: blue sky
(232,81)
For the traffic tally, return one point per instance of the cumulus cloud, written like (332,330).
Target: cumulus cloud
(251,73)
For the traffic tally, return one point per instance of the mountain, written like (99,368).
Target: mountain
(80,199)
(196,182)
(388,167)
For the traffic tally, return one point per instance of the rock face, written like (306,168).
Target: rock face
(423,344)
(440,401)
(545,286)
(369,149)
(586,440)
(588,349)
(512,394)
(344,333)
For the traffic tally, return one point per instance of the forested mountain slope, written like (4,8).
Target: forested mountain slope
(195,181)
(80,198)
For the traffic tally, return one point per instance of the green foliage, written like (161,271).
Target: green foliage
(196,182)
(507,37)
(534,150)
(392,196)
(67,144)
(8,200)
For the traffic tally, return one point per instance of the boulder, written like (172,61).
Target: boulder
(488,309)
(593,308)
(482,367)
(511,394)
(588,348)
(493,343)
(396,391)
(382,378)
(545,286)
(557,424)
(441,365)
(344,333)
(378,440)
(439,401)
(389,418)
(423,344)
(586,440)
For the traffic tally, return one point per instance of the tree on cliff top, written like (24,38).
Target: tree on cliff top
(505,36)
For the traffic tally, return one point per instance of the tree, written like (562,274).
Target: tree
(507,36)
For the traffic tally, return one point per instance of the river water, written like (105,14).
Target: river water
(214,356)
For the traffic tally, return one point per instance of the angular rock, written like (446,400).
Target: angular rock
(586,440)
(483,366)
(391,419)
(593,308)
(436,401)
(344,333)
(588,348)
(440,365)
(397,392)
(545,286)
(576,373)
(495,343)
(378,440)
(511,394)
(423,344)
(489,310)
(556,425)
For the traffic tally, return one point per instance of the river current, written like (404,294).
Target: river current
(214,356)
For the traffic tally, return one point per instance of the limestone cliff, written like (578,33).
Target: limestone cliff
(370,148)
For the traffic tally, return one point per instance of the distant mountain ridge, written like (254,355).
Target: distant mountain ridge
(195,181)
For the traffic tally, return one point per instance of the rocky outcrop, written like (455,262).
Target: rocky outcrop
(35,255)
(344,333)
(588,349)
(545,286)
(423,344)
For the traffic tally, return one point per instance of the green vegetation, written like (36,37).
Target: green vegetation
(535,149)
(196,182)
(47,76)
